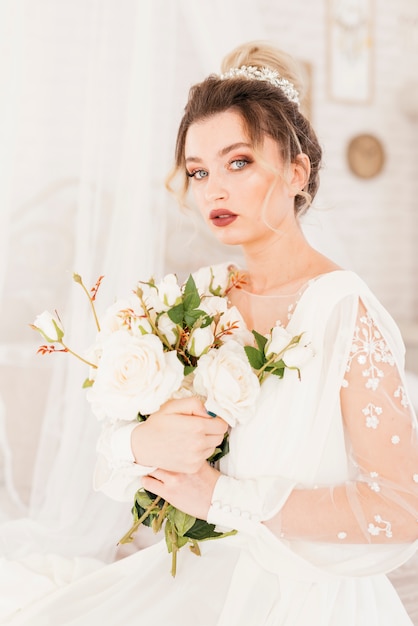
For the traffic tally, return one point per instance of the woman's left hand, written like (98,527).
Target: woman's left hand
(191,493)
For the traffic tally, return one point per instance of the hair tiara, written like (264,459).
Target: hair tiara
(266,74)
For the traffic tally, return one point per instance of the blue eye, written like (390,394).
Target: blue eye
(197,174)
(239,164)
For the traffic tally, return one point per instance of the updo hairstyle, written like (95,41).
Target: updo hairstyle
(264,108)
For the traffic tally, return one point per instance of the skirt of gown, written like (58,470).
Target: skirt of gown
(223,587)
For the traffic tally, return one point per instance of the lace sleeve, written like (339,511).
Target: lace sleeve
(379,504)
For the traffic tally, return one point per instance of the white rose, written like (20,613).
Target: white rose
(49,326)
(297,356)
(229,317)
(169,291)
(116,317)
(152,299)
(168,328)
(134,375)
(213,305)
(232,319)
(200,340)
(279,340)
(212,280)
(224,376)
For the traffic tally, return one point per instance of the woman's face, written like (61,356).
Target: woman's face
(237,189)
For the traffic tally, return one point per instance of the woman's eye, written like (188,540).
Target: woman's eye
(238,164)
(197,174)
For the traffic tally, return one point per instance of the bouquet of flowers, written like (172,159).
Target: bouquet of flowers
(170,340)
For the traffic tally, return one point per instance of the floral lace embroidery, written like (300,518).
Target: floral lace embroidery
(374,485)
(371,411)
(369,349)
(400,393)
(385,527)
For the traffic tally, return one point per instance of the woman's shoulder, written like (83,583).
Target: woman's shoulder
(340,282)
(341,288)
(337,294)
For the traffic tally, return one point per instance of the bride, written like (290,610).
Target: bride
(321,482)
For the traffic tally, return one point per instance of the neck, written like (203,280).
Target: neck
(286,259)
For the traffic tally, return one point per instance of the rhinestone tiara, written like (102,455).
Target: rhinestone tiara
(252,72)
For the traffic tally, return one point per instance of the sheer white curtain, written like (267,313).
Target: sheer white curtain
(91,94)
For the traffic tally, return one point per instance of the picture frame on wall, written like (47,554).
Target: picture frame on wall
(350,50)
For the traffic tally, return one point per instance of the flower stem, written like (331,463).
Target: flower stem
(174,554)
(195,547)
(127,538)
(154,326)
(78,356)
(261,373)
(79,280)
(159,520)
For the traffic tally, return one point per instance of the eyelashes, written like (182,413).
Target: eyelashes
(234,165)
(243,163)
(197,174)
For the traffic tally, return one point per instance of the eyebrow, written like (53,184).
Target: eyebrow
(223,151)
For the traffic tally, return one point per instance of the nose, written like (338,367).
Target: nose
(215,189)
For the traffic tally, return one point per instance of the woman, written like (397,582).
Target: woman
(321,483)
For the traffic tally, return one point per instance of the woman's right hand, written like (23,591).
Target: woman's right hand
(179,437)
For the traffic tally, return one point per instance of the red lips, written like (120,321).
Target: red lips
(222,217)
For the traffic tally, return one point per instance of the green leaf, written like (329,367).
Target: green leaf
(191,299)
(196,318)
(176,314)
(188,369)
(220,451)
(277,371)
(143,499)
(181,521)
(202,530)
(277,368)
(172,539)
(199,316)
(206,321)
(138,511)
(181,541)
(88,383)
(260,340)
(255,357)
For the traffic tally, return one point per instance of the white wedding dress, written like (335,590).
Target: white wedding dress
(330,570)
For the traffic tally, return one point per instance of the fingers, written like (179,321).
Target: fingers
(158,474)
(213,441)
(216,425)
(152,484)
(187,406)
(193,406)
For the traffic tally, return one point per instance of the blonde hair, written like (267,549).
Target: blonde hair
(264,54)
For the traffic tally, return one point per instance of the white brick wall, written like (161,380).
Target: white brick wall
(375,220)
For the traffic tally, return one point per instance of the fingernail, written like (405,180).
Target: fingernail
(211,413)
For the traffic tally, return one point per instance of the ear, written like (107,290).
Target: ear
(300,171)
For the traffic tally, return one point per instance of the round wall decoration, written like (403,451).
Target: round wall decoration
(365,155)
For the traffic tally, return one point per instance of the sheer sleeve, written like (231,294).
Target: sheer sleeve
(379,504)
